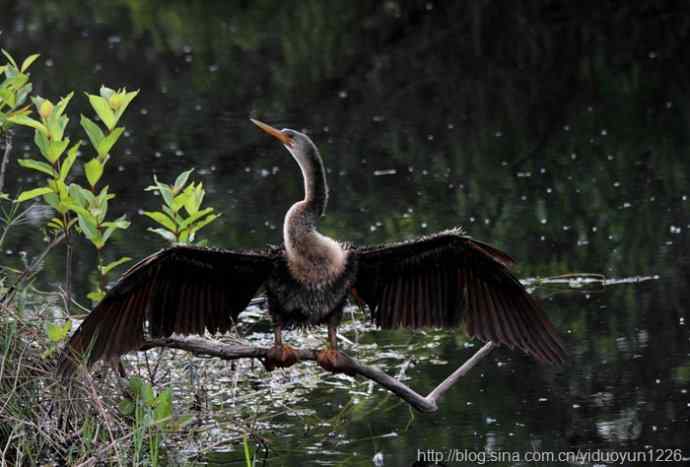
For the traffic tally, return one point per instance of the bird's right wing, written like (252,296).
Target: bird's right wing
(446,278)
(182,289)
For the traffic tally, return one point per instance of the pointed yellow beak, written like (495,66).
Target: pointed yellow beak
(277,134)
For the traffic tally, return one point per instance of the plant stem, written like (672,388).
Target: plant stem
(68,264)
(102,279)
(5,158)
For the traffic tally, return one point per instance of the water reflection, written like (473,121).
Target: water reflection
(557,132)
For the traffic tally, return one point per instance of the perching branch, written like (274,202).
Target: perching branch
(199,345)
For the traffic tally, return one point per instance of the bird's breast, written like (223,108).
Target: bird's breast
(315,260)
(308,289)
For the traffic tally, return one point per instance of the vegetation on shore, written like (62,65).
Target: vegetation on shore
(87,420)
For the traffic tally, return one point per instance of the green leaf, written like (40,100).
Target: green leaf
(124,101)
(56,125)
(164,190)
(56,224)
(193,203)
(181,180)
(110,266)
(55,150)
(87,223)
(81,211)
(181,199)
(147,394)
(136,383)
(27,195)
(94,171)
(163,408)
(23,93)
(103,110)
(166,234)
(28,61)
(42,142)
(199,225)
(96,296)
(173,215)
(53,201)
(104,195)
(78,195)
(109,141)
(60,188)
(121,224)
(57,333)
(69,160)
(6,97)
(62,105)
(162,219)
(28,121)
(37,165)
(9,58)
(126,407)
(195,217)
(92,130)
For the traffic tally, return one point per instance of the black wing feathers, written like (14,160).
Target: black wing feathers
(186,290)
(440,280)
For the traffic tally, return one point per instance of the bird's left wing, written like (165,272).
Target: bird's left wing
(440,280)
(182,289)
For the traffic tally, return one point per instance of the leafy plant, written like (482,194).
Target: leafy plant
(152,415)
(75,204)
(57,333)
(181,215)
(91,205)
(14,90)
(49,137)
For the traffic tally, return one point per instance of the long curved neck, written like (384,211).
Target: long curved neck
(312,257)
(302,219)
(315,187)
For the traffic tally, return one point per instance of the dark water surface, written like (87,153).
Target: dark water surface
(555,130)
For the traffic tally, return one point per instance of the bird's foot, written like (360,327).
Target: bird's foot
(334,361)
(280,356)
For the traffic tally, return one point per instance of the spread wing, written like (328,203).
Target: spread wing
(183,289)
(438,281)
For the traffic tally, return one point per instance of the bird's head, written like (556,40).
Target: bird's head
(300,145)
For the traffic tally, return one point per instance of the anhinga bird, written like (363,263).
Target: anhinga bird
(434,281)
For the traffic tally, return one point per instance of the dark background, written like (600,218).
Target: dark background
(556,130)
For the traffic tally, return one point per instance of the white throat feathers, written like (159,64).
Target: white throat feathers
(313,258)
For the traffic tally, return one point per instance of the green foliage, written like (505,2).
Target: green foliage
(76,205)
(80,207)
(181,215)
(56,333)
(14,90)
(111,104)
(152,415)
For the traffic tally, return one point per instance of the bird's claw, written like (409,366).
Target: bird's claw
(280,356)
(334,361)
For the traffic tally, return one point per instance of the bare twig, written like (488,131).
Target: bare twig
(200,345)
(5,158)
